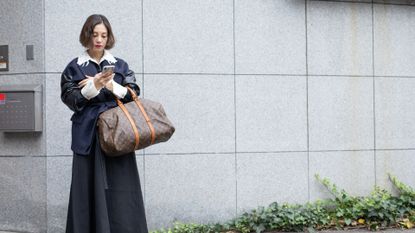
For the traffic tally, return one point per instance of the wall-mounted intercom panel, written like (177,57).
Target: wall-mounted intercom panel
(21,108)
(4,58)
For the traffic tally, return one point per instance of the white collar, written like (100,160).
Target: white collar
(84,59)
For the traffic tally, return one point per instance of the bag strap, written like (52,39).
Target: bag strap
(130,119)
(143,111)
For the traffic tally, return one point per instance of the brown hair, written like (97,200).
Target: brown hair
(88,30)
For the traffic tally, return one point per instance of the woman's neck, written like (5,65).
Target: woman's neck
(95,55)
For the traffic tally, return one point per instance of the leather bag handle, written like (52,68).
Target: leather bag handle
(130,119)
(143,111)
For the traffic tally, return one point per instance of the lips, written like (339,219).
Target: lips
(98,46)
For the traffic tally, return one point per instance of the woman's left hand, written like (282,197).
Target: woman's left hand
(83,82)
(109,86)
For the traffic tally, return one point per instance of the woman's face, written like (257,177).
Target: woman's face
(99,38)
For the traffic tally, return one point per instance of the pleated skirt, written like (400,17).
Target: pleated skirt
(105,195)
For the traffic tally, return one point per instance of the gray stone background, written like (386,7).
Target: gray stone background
(263,94)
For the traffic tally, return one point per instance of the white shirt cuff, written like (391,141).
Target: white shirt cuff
(118,90)
(89,91)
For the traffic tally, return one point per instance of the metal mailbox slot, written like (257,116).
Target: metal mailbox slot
(21,108)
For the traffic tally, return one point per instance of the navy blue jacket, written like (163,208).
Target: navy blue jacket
(86,111)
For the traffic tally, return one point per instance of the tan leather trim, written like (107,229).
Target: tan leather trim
(140,106)
(150,125)
(127,114)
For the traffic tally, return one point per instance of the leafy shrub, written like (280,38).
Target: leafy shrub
(378,210)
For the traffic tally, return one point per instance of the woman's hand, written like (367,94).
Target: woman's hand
(109,86)
(100,80)
(83,82)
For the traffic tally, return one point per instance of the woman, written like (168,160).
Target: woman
(105,194)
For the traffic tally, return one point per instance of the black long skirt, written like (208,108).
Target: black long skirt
(105,195)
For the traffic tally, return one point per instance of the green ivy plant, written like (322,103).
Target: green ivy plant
(377,211)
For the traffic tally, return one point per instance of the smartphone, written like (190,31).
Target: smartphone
(109,68)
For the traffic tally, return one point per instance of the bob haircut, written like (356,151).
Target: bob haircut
(87,31)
